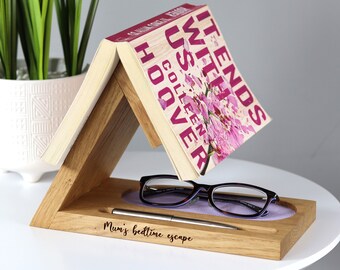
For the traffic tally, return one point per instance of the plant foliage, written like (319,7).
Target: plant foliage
(68,14)
(32,19)
(8,38)
(34,25)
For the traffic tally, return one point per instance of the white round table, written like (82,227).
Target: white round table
(25,247)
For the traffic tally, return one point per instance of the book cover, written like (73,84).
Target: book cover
(191,73)
(186,90)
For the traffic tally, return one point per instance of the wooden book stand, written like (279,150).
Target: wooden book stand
(82,191)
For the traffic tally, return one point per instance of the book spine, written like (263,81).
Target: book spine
(153,23)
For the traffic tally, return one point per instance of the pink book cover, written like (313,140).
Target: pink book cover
(191,72)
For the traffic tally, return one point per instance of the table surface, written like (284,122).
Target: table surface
(22,246)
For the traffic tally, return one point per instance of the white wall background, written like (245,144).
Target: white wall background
(289,54)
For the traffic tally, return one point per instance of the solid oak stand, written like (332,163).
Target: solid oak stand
(82,192)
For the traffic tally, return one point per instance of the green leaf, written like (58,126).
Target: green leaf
(71,18)
(47,22)
(23,35)
(78,5)
(27,39)
(38,34)
(8,37)
(3,43)
(14,39)
(34,25)
(86,34)
(69,14)
(63,29)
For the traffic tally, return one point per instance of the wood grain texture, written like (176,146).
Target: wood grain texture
(94,155)
(136,105)
(82,192)
(269,239)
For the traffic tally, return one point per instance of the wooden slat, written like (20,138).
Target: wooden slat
(137,106)
(94,155)
(263,239)
(81,194)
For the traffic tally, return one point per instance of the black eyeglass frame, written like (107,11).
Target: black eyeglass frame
(272,197)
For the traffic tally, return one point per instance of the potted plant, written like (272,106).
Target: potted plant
(36,92)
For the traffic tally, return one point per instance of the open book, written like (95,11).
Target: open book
(188,93)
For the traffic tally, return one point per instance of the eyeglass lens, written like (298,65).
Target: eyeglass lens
(234,199)
(239,200)
(166,191)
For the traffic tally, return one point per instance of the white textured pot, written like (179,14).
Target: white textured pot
(30,113)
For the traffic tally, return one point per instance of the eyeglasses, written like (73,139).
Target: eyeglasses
(238,199)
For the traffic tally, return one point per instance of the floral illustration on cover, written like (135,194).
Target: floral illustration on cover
(221,117)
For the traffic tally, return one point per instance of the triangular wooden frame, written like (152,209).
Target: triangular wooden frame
(98,148)
(80,194)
